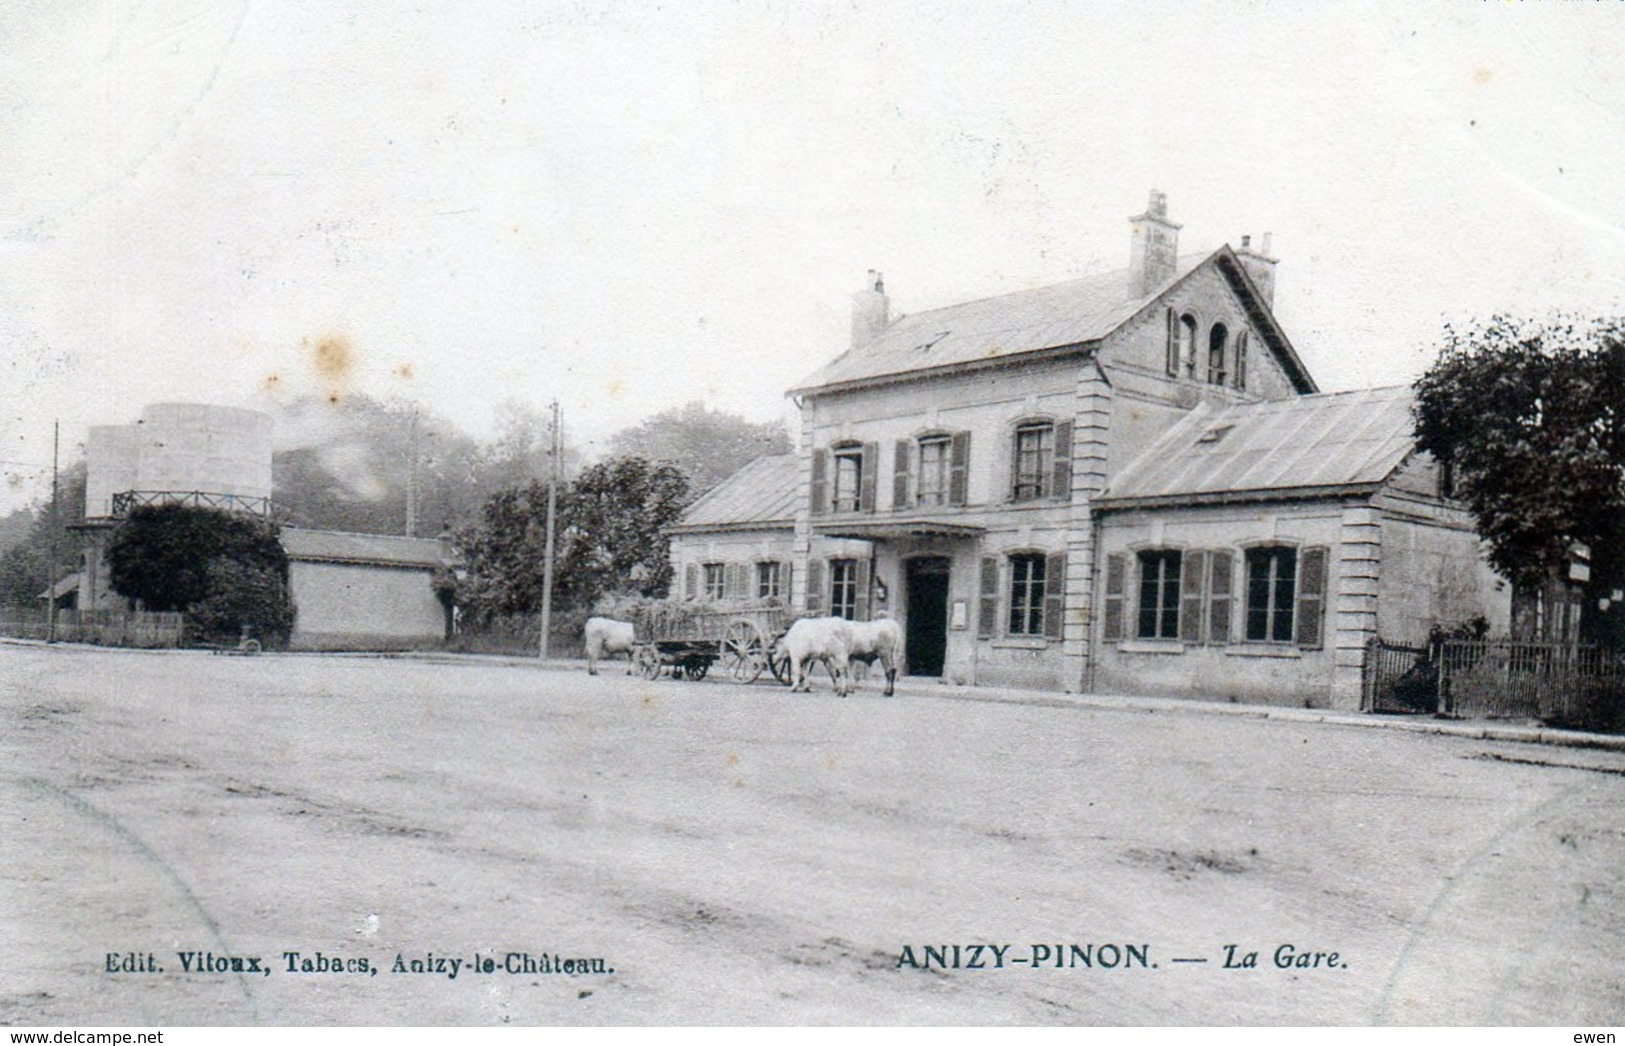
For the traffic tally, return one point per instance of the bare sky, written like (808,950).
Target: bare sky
(627,206)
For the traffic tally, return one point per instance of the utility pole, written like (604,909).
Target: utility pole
(56,510)
(412,476)
(547,550)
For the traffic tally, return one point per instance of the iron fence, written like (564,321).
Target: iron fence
(1564,684)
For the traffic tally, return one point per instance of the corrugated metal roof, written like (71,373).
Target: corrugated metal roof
(1070,313)
(1326,440)
(765,491)
(340,547)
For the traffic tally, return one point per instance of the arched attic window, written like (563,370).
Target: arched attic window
(1216,345)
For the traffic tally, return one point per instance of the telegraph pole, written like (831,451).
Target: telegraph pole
(412,476)
(56,510)
(547,551)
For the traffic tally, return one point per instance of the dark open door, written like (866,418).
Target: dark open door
(927,632)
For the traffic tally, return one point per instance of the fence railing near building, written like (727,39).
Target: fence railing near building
(1563,684)
(101,627)
(1566,684)
(1398,678)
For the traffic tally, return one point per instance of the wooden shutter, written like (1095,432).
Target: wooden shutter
(1173,344)
(691,581)
(987,612)
(819,494)
(1192,582)
(899,476)
(741,579)
(1241,360)
(1054,594)
(1220,583)
(1116,584)
(1311,598)
(860,611)
(815,586)
(959,469)
(1062,486)
(867,465)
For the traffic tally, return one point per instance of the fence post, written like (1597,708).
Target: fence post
(1436,650)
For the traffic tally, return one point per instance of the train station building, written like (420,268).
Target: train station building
(1126,482)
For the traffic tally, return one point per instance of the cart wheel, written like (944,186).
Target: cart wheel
(697,670)
(251,646)
(744,651)
(646,662)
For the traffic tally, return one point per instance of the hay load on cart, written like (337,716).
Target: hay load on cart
(687,638)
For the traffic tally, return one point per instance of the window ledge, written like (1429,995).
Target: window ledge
(1022,643)
(1150,646)
(1285,650)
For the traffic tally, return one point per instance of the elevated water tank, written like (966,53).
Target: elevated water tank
(192,446)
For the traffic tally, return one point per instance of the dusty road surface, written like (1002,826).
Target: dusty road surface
(747,855)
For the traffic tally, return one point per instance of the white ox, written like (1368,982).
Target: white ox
(826,639)
(604,637)
(878,640)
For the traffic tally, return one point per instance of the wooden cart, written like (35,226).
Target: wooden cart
(689,641)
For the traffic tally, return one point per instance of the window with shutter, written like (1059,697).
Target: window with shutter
(868,465)
(1192,584)
(1116,587)
(1311,598)
(716,580)
(931,484)
(987,611)
(1241,360)
(815,587)
(818,496)
(1062,488)
(1160,574)
(1055,595)
(1027,594)
(1219,596)
(899,476)
(1271,587)
(847,493)
(1033,475)
(959,469)
(843,588)
(861,600)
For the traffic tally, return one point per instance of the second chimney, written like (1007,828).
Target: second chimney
(1154,250)
(871,311)
(1260,267)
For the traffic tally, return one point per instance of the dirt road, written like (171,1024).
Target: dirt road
(745,855)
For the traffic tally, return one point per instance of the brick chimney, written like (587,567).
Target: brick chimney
(871,311)
(1154,250)
(1260,266)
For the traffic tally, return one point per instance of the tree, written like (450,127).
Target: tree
(243,596)
(225,569)
(1527,416)
(708,445)
(614,512)
(25,566)
(608,539)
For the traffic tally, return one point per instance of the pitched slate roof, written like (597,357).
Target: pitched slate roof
(1303,444)
(763,492)
(333,546)
(1070,313)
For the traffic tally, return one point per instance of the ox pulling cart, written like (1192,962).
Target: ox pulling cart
(689,640)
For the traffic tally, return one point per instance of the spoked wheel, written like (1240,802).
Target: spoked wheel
(744,651)
(696,670)
(646,662)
